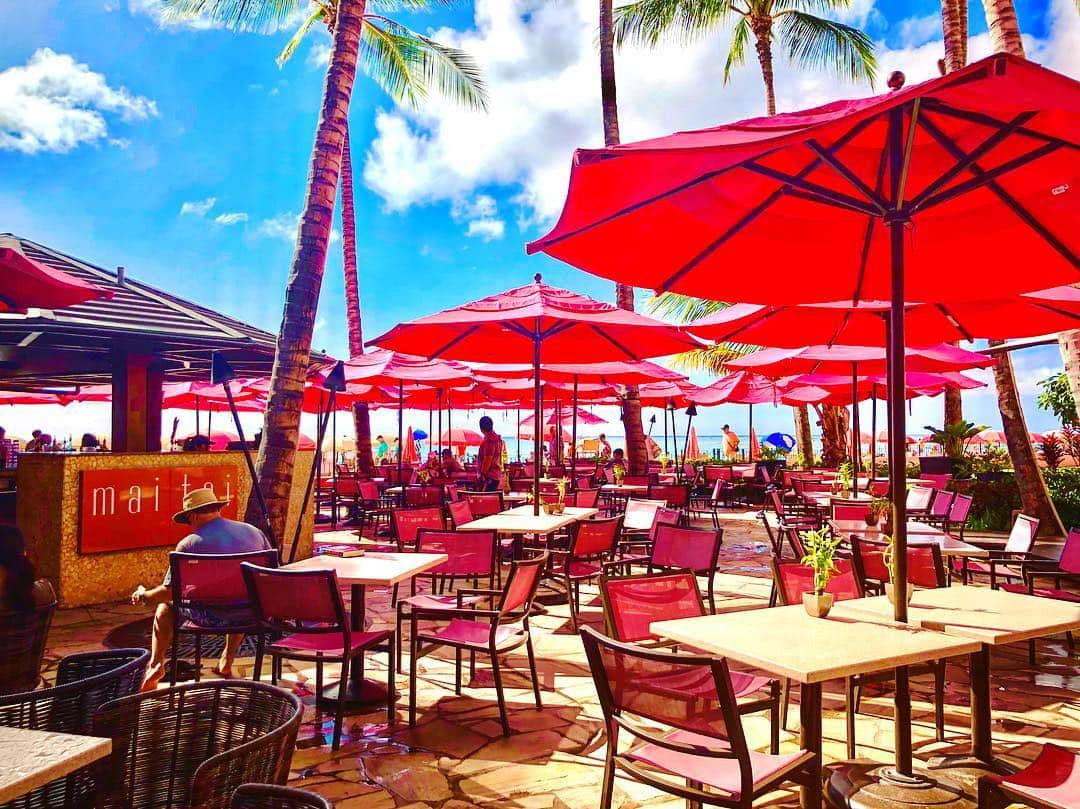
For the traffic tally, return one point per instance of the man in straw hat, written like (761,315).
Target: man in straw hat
(210,534)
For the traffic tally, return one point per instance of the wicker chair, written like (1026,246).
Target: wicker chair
(268,796)
(191,746)
(84,682)
(22,645)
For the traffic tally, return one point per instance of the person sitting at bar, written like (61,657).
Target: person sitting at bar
(197,443)
(211,534)
(432,467)
(89,442)
(19,592)
(35,443)
(450,465)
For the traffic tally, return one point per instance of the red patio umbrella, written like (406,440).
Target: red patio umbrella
(26,283)
(537,323)
(16,397)
(561,418)
(863,360)
(741,387)
(460,437)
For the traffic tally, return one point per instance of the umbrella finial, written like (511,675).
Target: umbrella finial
(896,80)
(536,278)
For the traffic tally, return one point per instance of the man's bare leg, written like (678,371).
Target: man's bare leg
(160,643)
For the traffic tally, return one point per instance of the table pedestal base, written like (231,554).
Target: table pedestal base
(364,696)
(865,785)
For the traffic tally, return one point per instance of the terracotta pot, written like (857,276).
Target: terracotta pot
(817,606)
(890,592)
(549,508)
(871,519)
(558,508)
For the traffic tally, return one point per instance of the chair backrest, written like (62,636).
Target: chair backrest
(271,796)
(714,473)
(469,553)
(632,603)
(1069,561)
(816,486)
(368,491)
(583,482)
(869,561)
(590,538)
(22,645)
(586,498)
(637,480)
(959,509)
(460,512)
(393,478)
(484,504)
(194,744)
(407,521)
(416,496)
(213,580)
(521,585)
(777,503)
(793,579)
(745,471)
(695,549)
(451,492)
(1023,533)
(879,488)
(849,509)
(674,494)
(688,692)
(937,481)
(639,514)
(925,566)
(942,502)
(296,600)
(664,516)
(918,498)
(350,486)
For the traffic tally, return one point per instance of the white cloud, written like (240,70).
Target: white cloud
(54,104)
(198,208)
(486,229)
(540,63)
(916,31)
(481,213)
(285,226)
(155,10)
(230,218)
(319,53)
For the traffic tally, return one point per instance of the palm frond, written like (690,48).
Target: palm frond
(817,43)
(737,54)
(262,16)
(317,15)
(645,22)
(710,360)
(385,6)
(683,308)
(408,65)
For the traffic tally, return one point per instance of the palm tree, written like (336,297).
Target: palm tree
(406,65)
(1034,496)
(810,41)
(281,421)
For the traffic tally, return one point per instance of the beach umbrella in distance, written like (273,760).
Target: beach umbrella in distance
(461,437)
(537,324)
(755,447)
(780,441)
(26,283)
(740,387)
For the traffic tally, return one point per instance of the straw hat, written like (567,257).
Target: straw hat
(197,500)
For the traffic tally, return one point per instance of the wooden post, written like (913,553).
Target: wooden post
(136,402)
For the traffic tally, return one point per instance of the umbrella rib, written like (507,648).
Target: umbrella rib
(989,175)
(843,324)
(1055,310)
(955,320)
(455,341)
(1004,196)
(874,197)
(864,257)
(973,155)
(757,321)
(613,341)
(989,120)
(558,328)
(819,192)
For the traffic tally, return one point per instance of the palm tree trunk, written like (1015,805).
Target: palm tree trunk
(1004,27)
(281,421)
(762,29)
(1034,496)
(834,435)
(954,27)
(637,454)
(804,439)
(1069,343)
(365,464)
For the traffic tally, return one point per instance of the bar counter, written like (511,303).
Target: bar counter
(98,524)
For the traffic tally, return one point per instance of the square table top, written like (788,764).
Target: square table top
(32,758)
(521,520)
(993,617)
(787,642)
(624,488)
(572,511)
(823,499)
(919,533)
(374,568)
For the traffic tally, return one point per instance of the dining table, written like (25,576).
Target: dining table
(30,759)
(372,569)
(787,642)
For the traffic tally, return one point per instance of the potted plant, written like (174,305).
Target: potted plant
(664,461)
(953,440)
(879,507)
(888,555)
(821,558)
(618,471)
(845,478)
(560,487)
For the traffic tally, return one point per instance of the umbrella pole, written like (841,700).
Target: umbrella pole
(400,436)
(431,431)
(573,433)
(209,420)
(856,439)
(255,487)
(750,435)
(873,434)
(519,434)
(324,419)
(538,420)
(689,421)
(196,415)
(438,396)
(665,432)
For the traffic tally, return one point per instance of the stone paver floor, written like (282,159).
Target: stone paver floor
(457,758)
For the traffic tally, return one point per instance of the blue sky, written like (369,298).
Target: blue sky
(181,152)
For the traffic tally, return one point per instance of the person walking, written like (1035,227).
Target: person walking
(489,459)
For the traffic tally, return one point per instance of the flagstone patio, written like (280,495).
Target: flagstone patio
(457,758)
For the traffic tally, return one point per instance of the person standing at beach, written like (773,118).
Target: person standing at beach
(731,444)
(489,459)
(605,448)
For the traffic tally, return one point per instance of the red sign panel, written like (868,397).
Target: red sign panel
(126,509)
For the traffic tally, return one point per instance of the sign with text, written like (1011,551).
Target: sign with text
(127,509)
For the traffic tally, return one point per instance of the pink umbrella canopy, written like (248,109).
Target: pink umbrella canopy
(667,394)
(784,362)
(564,418)
(460,437)
(741,387)
(14,397)
(389,368)
(693,448)
(610,373)
(26,283)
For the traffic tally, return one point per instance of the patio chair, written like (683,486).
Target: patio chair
(940,505)
(408,521)
(1065,570)
(719,497)
(633,603)
(918,500)
(703,742)
(22,644)
(676,495)
(471,554)
(788,526)
(583,482)
(592,543)
(460,512)
(210,597)
(423,495)
(938,481)
(268,796)
(587,498)
(246,732)
(879,487)
(1006,563)
(1051,781)
(305,608)
(84,682)
(639,514)
(925,567)
(842,509)
(484,504)
(470,629)
(696,550)
(959,509)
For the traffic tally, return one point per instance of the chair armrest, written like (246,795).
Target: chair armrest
(1056,575)
(478,591)
(451,612)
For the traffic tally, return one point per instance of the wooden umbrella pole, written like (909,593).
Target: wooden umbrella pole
(856,439)
(537,419)
(873,436)
(573,434)
(438,397)
(323,421)
(255,487)
(400,436)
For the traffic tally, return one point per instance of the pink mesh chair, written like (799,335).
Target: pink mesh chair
(1051,781)
(939,509)
(937,481)
(592,543)
(637,550)
(918,500)
(460,512)
(633,603)
(471,555)
(701,743)
(420,496)
(210,597)
(1065,570)
(788,526)
(640,480)
(484,504)
(879,488)
(1006,564)
(305,607)
(693,549)
(720,496)
(638,515)
(674,494)
(959,510)
(848,509)
(583,482)
(494,631)
(925,567)
(408,521)
(587,498)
